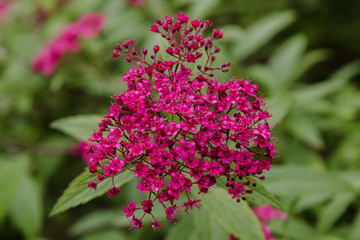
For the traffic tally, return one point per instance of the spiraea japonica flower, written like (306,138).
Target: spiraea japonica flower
(267,214)
(177,127)
(48,57)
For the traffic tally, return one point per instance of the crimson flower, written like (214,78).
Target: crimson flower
(178,127)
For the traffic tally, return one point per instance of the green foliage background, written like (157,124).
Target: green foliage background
(304,54)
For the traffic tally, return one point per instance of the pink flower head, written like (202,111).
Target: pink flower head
(113,192)
(147,205)
(91,24)
(130,209)
(154,28)
(178,128)
(88,26)
(170,212)
(155,225)
(136,223)
(182,17)
(267,214)
(196,23)
(92,185)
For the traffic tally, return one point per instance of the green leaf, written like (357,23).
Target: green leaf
(98,220)
(294,152)
(295,229)
(261,32)
(262,74)
(261,196)
(285,61)
(311,201)
(109,234)
(80,127)
(236,218)
(352,177)
(206,226)
(11,173)
(336,82)
(328,237)
(334,210)
(78,191)
(201,9)
(355,231)
(26,209)
(283,180)
(348,71)
(310,59)
(112,218)
(279,107)
(183,230)
(304,128)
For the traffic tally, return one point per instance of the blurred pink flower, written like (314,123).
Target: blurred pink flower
(4,10)
(267,214)
(87,26)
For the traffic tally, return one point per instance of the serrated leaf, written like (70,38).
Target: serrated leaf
(236,218)
(26,208)
(79,127)
(78,191)
(334,210)
(11,173)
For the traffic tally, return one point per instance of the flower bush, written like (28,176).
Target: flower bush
(177,127)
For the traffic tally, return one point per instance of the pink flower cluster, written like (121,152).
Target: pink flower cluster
(267,214)
(87,26)
(178,128)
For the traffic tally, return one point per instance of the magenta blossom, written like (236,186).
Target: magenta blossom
(4,10)
(267,214)
(87,26)
(177,127)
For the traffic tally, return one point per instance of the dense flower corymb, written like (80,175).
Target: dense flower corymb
(177,127)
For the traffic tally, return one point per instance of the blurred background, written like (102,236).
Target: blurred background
(304,55)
